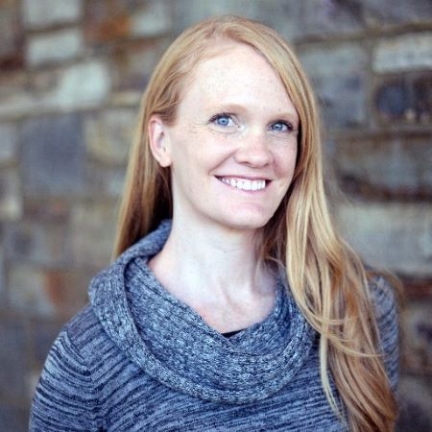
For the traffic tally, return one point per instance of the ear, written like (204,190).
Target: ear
(159,141)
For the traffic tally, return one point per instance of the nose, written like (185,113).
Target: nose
(254,150)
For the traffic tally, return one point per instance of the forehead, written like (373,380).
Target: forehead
(235,72)
(226,55)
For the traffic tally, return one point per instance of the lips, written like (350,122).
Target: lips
(244,184)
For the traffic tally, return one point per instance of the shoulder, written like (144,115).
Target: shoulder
(383,294)
(78,349)
(83,327)
(74,347)
(84,339)
(384,298)
(66,397)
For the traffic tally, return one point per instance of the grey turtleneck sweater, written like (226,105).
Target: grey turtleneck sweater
(138,359)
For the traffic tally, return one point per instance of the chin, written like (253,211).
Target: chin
(248,222)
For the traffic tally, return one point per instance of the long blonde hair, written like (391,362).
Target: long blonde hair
(326,278)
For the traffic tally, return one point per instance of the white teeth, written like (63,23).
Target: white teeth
(243,184)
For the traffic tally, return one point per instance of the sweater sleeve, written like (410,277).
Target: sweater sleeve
(387,321)
(65,398)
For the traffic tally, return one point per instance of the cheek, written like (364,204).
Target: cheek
(285,161)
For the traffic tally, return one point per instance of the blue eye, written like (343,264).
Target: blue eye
(222,120)
(281,126)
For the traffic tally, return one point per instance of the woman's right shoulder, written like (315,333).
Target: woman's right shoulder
(84,334)
(66,397)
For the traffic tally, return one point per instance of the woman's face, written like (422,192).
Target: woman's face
(233,147)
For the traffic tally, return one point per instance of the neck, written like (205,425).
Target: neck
(211,263)
(217,273)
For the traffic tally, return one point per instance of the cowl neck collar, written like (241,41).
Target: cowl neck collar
(172,343)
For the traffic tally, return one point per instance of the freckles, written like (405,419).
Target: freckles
(285,162)
(192,130)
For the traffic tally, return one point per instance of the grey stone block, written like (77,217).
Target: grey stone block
(10,195)
(27,293)
(390,12)
(152,19)
(390,166)
(417,329)
(54,47)
(339,76)
(82,85)
(396,236)
(403,53)
(93,230)
(13,372)
(323,18)
(283,16)
(415,403)
(109,135)
(43,334)
(44,13)
(8,142)
(39,243)
(404,99)
(2,280)
(13,418)
(106,181)
(53,155)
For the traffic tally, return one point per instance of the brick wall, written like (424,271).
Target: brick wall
(72,73)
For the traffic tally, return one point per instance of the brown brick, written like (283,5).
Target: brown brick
(11,37)
(133,63)
(48,210)
(107,22)
(417,289)
(40,292)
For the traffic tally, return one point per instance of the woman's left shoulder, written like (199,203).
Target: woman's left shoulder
(384,293)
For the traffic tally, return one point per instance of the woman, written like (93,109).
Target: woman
(232,304)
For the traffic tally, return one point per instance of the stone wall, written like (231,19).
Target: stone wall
(72,73)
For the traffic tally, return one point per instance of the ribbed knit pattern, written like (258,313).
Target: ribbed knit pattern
(138,359)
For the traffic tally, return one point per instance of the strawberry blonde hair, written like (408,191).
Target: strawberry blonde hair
(326,278)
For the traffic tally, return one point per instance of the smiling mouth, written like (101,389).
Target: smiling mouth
(244,184)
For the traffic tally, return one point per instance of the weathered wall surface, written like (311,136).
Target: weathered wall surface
(72,73)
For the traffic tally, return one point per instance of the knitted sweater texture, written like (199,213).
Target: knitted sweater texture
(138,359)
